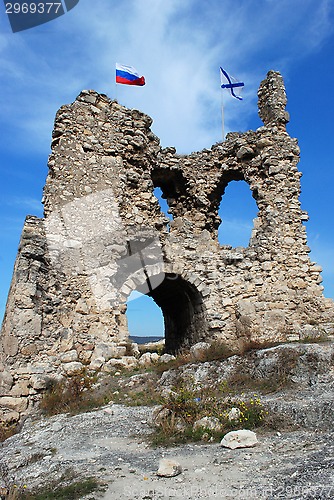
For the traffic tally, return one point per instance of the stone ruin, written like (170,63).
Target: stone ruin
(104,235)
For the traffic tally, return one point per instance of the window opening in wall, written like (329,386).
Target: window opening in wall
(237,210)
(162,202)
(145,319)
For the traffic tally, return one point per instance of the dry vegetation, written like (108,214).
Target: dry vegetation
(74,490)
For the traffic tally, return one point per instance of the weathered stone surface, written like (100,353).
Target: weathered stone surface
(21,388)
(239,439)
(6,382)
(307,368)
(73,368)
(211,423)
(199,350)
(10,345)
(166,358)
(109,351)
(96,363)
(148,358)
(39,382)
(126,362)
(10,417)
(16,404)
(169,468)
(159,415)
(108,444)
(234,414)
(69,356)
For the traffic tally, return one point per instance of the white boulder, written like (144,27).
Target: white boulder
(169,468)
(239,439)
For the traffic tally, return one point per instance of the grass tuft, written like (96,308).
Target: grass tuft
(72,491)
(8,429)
(72,395)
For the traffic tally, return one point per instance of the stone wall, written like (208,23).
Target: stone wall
(104,235)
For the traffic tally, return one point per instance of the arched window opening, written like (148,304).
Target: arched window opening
(237,210)
(145,319)
(170,188)
(164,207)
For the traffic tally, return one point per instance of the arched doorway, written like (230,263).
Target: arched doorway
(182,308)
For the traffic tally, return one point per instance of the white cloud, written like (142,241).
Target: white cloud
(25,203)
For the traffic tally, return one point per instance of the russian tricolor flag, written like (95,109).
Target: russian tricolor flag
(128,75)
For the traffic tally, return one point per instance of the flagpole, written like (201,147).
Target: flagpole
(115,83)
(223,118)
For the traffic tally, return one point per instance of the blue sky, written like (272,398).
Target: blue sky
(178,46)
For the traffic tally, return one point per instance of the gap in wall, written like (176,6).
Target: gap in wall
(237,210)
(145,319)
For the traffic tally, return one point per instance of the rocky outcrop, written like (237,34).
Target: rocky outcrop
(110,443)
(104,235)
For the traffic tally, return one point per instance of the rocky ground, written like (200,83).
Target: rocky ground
(111,445)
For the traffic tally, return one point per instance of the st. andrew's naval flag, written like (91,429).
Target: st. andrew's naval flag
(231,84)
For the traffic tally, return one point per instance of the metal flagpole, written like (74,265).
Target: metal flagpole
(222,106)
(115,87)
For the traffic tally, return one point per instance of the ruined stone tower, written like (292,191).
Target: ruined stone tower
(104,235)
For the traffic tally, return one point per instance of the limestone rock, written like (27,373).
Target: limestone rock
(21,388)
(148,358)
(9,417)
(239,439)
(39,382)
(210,423)
(6,382)
(10,345)
(96,363)
(169,468)
(163,416)
(234,414)
(126,362)
(166,358)
(73,368)
(69,356)
(133,349)
(107,352)
(199,350)
(159,415)
(16,404)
